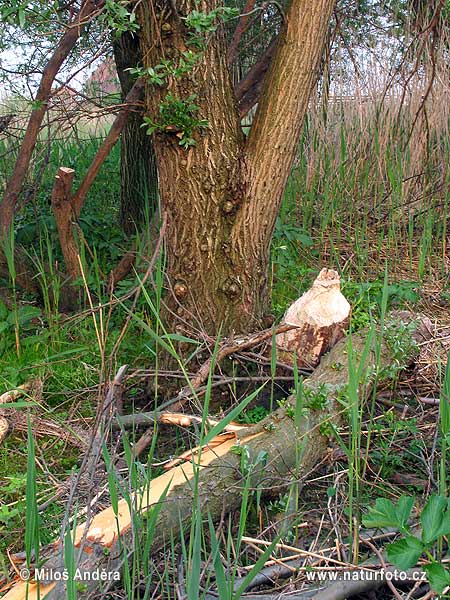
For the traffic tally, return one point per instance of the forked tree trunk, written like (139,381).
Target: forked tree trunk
(223,195)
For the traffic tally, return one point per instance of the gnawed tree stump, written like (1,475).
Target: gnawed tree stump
(322,314)
(101,545)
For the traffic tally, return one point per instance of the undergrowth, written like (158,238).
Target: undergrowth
(338,212)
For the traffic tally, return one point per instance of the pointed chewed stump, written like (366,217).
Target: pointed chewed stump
(321,315)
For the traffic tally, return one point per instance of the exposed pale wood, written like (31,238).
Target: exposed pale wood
(28,591)
(321,315)
(219,478)
(183,420)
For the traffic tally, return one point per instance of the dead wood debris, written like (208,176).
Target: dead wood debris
(12,419)
(103,530)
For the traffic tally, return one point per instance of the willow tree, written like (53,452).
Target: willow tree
(221,191)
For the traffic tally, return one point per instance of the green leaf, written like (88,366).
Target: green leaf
(444,528)
(112,480)
(432,517)
(231,416)
(36,339)
(405,553)
(175,337)
(37,104)
(18,404)
(24,315)
(404,508)
(386,514)
(219,571)
(438,577)
(255,569)
(79,349)
(22,17)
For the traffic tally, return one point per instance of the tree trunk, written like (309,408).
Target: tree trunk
(64,215)
(138,176)
(222,196)
(292,445)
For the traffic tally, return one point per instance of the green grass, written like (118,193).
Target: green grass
(351,204)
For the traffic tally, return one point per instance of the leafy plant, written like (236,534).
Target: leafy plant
(23,318)
(117,16)
(400,341)
(178,117)
(317,399)
(254,415)
(201,23)
(13,486)
(160,73)
(366,296)
(405,552)
(388,428)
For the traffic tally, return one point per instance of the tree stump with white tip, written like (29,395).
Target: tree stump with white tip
(322,315)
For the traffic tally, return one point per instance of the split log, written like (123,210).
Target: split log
(100,544)
(321,316)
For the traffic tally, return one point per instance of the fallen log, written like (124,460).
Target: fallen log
(100,545)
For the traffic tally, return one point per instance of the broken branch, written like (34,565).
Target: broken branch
(290,446)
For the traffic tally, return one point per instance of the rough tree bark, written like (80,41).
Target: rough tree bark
(222,196)
(64,214)
(138,176)
(292,446)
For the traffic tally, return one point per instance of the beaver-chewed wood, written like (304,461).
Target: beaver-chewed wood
(292,447)
(321,316)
